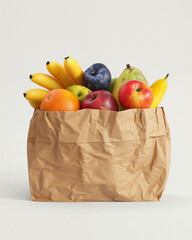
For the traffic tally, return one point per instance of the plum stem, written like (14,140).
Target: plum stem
(94,72)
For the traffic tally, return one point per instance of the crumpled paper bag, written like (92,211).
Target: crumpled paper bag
(98,155)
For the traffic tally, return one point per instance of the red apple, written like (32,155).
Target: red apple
(100,99)
(135,94)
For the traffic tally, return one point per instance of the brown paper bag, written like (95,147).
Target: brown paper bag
(98,155)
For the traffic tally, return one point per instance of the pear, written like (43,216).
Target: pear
(128,74)
(110,88)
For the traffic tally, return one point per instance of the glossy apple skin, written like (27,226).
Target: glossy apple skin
(100,99)
(135,94)
(79,91)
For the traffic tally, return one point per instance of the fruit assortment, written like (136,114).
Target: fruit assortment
(69,88)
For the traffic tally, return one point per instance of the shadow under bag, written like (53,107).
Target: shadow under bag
(98,155)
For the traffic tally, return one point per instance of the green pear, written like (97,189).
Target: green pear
(128,74)
(110,88)
(79,91)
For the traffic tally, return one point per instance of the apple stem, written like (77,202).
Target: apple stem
(128,66)
(167,76)
(92,96)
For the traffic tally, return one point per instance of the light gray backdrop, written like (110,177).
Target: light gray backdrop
(156,37)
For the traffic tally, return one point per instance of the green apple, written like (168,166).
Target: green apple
(79,91)
(110,88)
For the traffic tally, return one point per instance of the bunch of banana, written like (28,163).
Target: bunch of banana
(35,96)
(62,77)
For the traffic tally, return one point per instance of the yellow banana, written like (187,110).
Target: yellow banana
(159,88)
(45,81)
(74,70)
(35,104)
(58,71)
(35,96)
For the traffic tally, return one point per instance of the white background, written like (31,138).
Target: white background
(156,37)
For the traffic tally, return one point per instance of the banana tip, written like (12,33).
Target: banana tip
(30,76)
(24,94)
(67,57)
(47,63)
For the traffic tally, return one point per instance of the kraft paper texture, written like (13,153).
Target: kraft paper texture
(98,155)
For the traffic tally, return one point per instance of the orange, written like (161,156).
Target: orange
(60,100)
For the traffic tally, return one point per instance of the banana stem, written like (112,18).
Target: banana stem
(167,76)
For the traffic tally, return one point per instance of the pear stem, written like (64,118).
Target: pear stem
(92,96)
(167,76)
(128,66)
